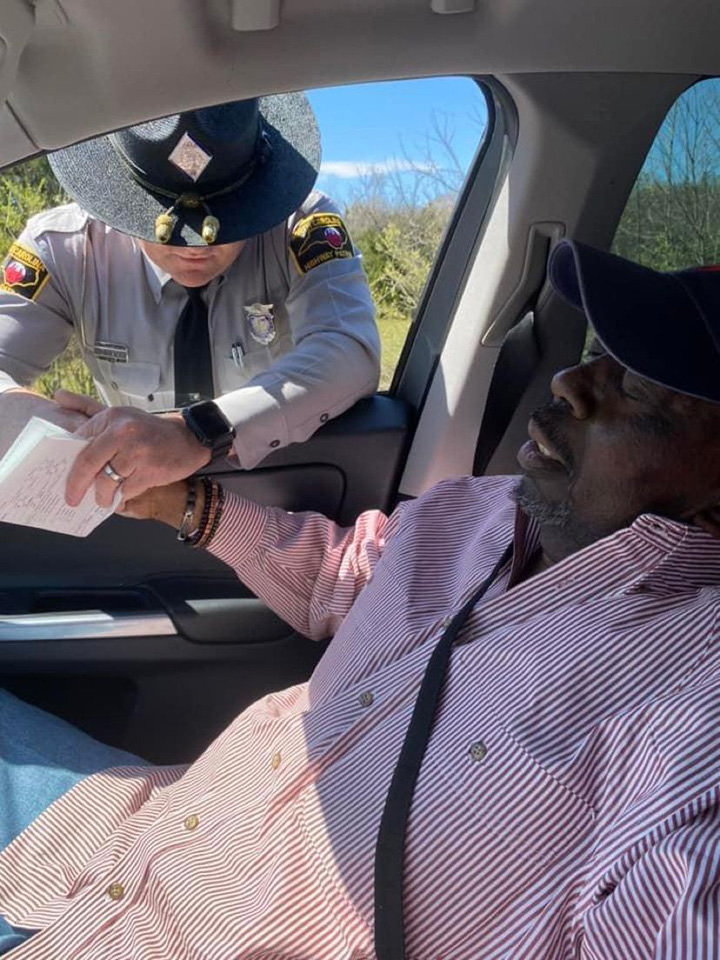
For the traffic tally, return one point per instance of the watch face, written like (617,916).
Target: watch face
(208,424)
(210,420)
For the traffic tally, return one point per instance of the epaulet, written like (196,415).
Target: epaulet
(310,204)
(69,218)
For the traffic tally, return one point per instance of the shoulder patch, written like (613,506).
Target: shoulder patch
(23,272)
(319,238)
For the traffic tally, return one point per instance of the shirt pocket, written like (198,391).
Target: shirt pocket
(499,789)
(133,384)
(250,360)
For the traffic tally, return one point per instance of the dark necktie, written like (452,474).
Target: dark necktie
(390,847)
(193,358)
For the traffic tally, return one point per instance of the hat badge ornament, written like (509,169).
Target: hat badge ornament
(189,156)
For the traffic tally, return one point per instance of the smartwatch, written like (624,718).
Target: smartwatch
(207,422)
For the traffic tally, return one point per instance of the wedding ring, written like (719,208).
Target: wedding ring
(112,473)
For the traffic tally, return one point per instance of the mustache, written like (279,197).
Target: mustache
(551,418)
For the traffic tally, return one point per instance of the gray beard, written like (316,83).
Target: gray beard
(557,515)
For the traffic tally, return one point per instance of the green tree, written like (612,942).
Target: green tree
(672,218)
(25,190)
(398,254)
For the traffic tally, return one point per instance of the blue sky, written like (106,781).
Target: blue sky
(381,126)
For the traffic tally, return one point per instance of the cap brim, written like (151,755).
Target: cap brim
(645,319)
(95,176)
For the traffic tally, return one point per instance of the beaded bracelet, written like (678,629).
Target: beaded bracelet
(184,531)
(214,521)
(197,533)
(210,518)
(204,537)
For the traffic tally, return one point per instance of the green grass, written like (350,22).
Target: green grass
(393,331)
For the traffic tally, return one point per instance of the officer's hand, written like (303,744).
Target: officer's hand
(147,450)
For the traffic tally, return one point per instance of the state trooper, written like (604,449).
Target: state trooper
(219,303)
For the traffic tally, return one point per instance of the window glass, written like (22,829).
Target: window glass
(672,219)
(395,156)
(394,159)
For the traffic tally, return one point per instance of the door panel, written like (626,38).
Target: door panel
(163,698)
(72,611)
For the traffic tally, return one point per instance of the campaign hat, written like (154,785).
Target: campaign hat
(217,174)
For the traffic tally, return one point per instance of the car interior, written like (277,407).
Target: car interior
(154,647)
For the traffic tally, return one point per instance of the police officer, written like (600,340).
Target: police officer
(199,272)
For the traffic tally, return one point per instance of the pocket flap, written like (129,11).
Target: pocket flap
(136,379)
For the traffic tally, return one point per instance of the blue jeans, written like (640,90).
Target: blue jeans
(41,757)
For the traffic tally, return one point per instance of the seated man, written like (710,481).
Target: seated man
(510,746)
(198,271)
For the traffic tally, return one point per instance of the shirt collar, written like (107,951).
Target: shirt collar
(526,541)
(689,556)
(665,556)
(156,277)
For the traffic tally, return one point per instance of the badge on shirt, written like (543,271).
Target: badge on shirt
(319,238)
(23,272)
(261,322)
(114,352)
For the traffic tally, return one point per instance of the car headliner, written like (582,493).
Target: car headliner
(75,68)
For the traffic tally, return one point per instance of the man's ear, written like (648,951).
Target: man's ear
(709,520)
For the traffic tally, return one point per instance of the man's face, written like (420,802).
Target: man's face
(193,266)
(610,446)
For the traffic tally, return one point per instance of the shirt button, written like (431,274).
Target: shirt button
(275,762)
(274,443)
(366,698)
(445,622)
(324,417)
(191,822)
(478,751)
(114,385)
(116,891)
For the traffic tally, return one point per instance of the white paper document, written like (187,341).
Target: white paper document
(33,474)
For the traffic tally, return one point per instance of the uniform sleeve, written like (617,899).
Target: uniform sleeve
(306,568)
(667,904)
(35,318)
(336,354)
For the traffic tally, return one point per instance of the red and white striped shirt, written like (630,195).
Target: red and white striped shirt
(568,803)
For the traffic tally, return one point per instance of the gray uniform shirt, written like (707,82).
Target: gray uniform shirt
(323,355)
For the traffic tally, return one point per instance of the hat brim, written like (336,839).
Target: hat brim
(645,319)
(101,183)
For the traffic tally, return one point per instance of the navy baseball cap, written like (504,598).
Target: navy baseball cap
(663,326)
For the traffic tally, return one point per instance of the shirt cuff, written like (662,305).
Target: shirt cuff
(259,423)
(240,530)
